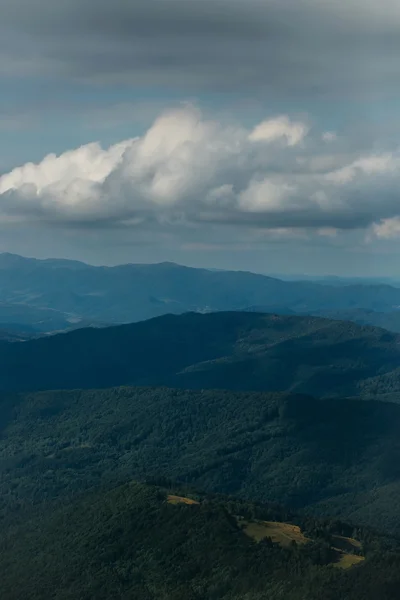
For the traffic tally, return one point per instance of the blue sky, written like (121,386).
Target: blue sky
(233,133)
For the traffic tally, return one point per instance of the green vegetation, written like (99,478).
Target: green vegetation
(293,486)
(343,553)
(329,457)
(130,542)
(241,351)
(346,561)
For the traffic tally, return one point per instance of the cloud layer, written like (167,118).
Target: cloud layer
(282,176)
(296,46)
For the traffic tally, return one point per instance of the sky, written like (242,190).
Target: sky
(242,134)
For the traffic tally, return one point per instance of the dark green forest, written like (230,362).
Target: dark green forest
(328,457)
(302,433)
(129,543)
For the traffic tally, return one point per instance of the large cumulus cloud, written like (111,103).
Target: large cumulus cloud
(187,170)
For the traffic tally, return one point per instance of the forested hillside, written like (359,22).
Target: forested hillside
(131,542)
(242,351)
(336,457)
(387,320)
(224,407)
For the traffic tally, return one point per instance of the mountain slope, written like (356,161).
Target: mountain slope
(222,350)
(129,293)
(131,543)
(330,457)
(387,320)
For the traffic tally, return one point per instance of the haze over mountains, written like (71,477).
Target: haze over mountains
(52,295)
(338,280)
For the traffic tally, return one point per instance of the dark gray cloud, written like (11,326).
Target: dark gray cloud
(302,46)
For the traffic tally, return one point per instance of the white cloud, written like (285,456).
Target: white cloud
(387,228)
(87,165)
(266,195)
(187,169)
(375,164)
(279,128)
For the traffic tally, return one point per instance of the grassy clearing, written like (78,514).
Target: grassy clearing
(285,534)
(180,500)
(345,561)
(344,548)
(281,533)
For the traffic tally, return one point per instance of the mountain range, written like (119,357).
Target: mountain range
(208,453)
(52,295)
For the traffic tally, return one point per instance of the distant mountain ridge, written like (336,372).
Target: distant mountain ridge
(232,350)
(86,294)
